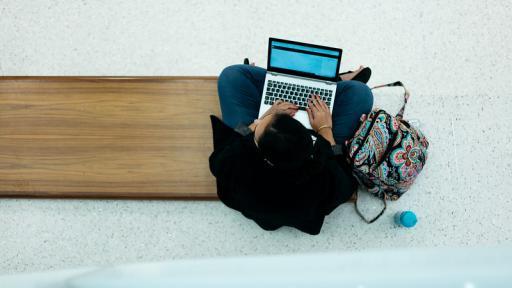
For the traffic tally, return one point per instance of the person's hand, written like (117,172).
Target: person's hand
(282,107)
(319,113)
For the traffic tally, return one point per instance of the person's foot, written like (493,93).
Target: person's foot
(246,62)
(350,75)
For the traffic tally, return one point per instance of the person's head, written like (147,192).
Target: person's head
(283,141)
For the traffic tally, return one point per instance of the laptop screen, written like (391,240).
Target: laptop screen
(303,59)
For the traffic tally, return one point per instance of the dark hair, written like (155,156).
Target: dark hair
(286,143)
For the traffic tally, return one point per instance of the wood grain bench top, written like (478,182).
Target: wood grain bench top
(107,137)
(122,137)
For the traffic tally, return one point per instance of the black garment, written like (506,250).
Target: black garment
(246,183)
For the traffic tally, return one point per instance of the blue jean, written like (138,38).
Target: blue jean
(240,89)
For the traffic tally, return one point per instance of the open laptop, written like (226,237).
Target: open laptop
(295,71)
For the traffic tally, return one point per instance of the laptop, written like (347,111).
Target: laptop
(295,71)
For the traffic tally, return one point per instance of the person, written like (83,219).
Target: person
(270,169)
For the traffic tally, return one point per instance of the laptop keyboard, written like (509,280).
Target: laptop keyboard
(294,93)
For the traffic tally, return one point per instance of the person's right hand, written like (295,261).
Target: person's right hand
(319,113)
(282,107)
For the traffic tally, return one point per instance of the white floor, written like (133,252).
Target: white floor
(454,56)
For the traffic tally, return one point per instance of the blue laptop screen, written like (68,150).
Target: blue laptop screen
(310,60)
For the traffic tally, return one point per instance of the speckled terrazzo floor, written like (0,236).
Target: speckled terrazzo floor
(454,57)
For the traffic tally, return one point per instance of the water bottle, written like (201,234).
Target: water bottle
(406,219)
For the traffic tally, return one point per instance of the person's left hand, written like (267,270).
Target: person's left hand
(282,107)
(319,113)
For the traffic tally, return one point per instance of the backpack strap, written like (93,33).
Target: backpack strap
(400,113)
(374,218)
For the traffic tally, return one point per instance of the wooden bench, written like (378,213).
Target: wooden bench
(123,137)
(106,137)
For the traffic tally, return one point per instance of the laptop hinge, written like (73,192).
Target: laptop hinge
(302,78)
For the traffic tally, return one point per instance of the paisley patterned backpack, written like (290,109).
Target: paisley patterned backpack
(386,153)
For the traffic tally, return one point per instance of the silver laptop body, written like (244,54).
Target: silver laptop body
(295,71)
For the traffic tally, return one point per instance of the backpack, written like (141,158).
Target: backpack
(386,153)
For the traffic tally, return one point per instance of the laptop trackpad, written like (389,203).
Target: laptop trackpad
(302,117)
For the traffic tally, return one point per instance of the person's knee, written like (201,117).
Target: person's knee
(230,74)
(359,93)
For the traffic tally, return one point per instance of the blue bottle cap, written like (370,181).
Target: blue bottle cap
(408,219)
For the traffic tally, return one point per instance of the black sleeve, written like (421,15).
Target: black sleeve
(223,166)
(342,183)
(243,130)
(222,133)
(337,149)
(343,187)
(223,160)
